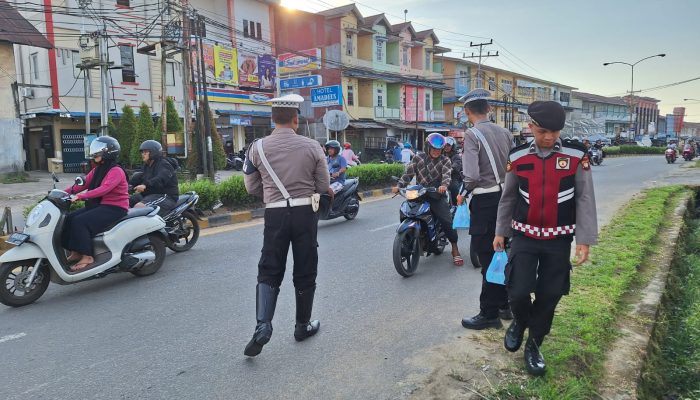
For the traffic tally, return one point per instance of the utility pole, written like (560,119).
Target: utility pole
(209,155)
(186,60)
(479,80)
(84,44)
(163,86)
(104,70)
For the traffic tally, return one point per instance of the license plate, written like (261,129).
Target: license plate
(17,239)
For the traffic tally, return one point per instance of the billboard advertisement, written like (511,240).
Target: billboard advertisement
(248,69)
(678,116)
(304,60)
(267,72)
(225,60)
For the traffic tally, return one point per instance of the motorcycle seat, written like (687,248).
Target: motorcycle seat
(184,198)
(349,182)
(132,213)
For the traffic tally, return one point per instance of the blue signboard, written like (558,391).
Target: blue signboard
(301,82)
(326,96)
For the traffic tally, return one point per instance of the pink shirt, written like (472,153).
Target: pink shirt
(350,156)
(114,189)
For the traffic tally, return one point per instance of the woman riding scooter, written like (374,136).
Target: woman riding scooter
(106,201)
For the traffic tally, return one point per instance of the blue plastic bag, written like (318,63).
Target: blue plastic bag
(497,269)
(462,219)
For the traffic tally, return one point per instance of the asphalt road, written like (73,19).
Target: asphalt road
(180,334)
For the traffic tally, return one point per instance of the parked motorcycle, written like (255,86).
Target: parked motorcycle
(235,161)
(688,154)
(419,232)
(135,244)
(670,156)
(181,224)
(345,204)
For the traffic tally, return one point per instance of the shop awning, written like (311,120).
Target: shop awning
(366,125)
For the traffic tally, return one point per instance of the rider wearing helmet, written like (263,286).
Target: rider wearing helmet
(156,184)
(106,195)
(349,155)
(337,165)
(452,151)
(406,154)
(434,169)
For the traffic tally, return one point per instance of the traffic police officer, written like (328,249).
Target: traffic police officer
(484,160)
(288,171)
(548,198)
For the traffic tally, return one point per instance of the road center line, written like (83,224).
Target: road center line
(12,337)
(383,227)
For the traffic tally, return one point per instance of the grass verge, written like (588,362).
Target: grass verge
(581,334)
(16,177)
(673,363)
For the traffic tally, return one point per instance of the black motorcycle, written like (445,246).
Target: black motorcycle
(235,161)
(181,223)
(419,232)
(345,204)
(595,155)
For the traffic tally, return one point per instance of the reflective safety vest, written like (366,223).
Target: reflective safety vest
(546,205)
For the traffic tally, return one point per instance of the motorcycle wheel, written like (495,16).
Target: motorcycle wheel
(440,248)
(406,253)
(158,247)
(351,215)
(189,227)
(13,292)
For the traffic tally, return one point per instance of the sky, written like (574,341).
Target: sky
(567,41)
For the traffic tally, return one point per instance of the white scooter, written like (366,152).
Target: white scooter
(135,244)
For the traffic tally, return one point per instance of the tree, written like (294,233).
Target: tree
(174,123)
(126,134)
(217,145)
(146,131)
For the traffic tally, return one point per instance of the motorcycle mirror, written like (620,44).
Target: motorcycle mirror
(79,181)
(54,177)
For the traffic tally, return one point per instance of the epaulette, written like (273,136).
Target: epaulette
(515,149)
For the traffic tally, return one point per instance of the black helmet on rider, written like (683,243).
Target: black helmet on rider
(106,147)
(450,141)
(434,141)
(333,144)
(153,148)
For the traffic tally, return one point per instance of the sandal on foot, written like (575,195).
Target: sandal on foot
(79,267)
(458,261)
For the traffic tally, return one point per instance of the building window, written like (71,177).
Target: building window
(252,29)
(464,78)
(124,3)
(507,86)
(405,56)
(380,50)
(246,33)
(564,97)
(351,96)
(348,43)
(34,67)
(258,26)
(127,55)
(427,60)
(428,103)
(380,98)
(492,84)
(170,74)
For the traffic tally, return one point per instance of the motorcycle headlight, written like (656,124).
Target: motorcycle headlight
(411,194)
(34,215)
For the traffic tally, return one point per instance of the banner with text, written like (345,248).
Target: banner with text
(326,96)
(304,60)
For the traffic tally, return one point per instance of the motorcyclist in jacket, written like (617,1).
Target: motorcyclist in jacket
(156,183)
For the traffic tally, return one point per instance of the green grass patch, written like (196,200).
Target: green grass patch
(697,164)
(16,177)
(627,149)
(581,334)
(673,363)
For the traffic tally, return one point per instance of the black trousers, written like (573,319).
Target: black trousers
(82,225)
(454,190)
(164,201)
(441,211)
(541,267)
(297,226)
(484,209)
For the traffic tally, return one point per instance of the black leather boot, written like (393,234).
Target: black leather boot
(480,321)
(514,336)
(534,362)
(266,300)
(304,327)
(505,313)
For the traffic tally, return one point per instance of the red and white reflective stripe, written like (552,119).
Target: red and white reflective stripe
(543,232)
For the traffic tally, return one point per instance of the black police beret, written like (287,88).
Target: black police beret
(547,114)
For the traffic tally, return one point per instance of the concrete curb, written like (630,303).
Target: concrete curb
(237,217)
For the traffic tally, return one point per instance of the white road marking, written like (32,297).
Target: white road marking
(12,337)
(384,227)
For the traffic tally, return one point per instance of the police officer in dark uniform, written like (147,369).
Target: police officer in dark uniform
(547,200)
(484,160)
(289,172)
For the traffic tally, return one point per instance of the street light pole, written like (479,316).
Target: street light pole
(632,84)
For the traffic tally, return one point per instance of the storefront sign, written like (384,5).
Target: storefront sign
(305,60)
(326,96)
(238,96)
(301,82)
(225,61)
(241,120)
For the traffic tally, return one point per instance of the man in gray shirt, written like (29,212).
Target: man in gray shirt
(486,148)
(290,217)
(548,198)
